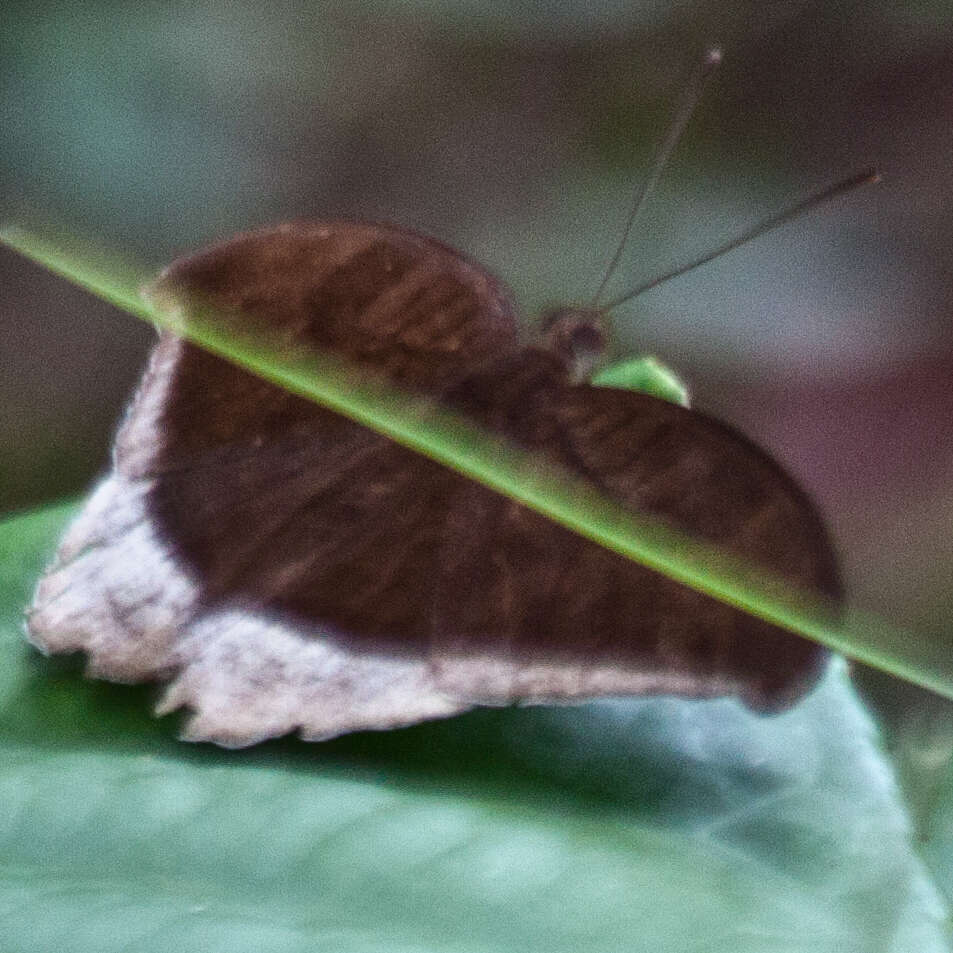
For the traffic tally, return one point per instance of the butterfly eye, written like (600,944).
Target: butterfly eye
(586,339)
(579,336)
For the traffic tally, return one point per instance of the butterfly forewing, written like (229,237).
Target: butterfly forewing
(384,297)
(346,523)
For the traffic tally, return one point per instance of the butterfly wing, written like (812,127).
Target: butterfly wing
(246,538)
(528,611)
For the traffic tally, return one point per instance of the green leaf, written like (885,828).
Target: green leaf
(937,841)
(647,374)
(574,503)
(659,825)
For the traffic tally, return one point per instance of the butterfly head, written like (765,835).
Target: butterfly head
(579,336)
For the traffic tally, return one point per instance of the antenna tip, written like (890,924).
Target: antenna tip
(713,56)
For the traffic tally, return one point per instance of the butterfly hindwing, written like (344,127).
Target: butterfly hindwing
(529,611)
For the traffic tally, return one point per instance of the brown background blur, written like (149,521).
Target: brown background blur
(519,137)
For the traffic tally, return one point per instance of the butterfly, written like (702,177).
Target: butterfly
(283,568)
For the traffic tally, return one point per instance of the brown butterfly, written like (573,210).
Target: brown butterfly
(285,569)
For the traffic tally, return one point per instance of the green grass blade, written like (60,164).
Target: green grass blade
(454,442)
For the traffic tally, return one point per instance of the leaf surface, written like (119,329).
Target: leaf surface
(643,824)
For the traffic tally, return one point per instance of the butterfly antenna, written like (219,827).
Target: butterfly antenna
(867,177)
(690,99)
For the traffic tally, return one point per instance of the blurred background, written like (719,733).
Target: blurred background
(518,133)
